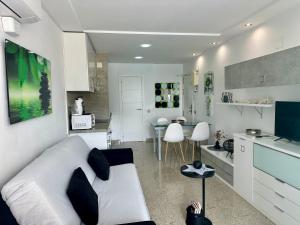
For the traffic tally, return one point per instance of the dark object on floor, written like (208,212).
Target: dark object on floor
(140,223)
(99,164)
(197,164)
(253,132)
(6,217)
(83,197)
(217,145)
(195,219)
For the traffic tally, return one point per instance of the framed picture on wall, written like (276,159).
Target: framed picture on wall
(28,83)
(167,95)
(209,83)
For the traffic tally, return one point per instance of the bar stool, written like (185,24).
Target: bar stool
(200,133)
(174,134)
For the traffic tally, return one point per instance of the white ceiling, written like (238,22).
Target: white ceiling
(204,16)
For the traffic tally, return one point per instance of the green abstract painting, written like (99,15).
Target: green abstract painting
(28,83)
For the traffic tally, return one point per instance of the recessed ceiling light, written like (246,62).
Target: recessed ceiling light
(248,24)
(194,54)
(138,57)
(213,43)
(146,45)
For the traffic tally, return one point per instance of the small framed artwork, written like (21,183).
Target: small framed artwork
(167,95)
(209,83)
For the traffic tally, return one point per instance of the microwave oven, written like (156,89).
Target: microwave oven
(83,122)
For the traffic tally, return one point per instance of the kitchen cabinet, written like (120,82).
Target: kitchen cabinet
(243,167)
(80,62)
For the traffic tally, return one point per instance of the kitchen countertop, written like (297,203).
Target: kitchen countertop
(291,148)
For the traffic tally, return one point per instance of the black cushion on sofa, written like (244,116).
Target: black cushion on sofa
(118,156)
(6,217)
(99,164)
(83,197)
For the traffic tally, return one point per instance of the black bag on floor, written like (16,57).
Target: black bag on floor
(192,218)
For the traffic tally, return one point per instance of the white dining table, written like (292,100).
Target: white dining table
(158,130)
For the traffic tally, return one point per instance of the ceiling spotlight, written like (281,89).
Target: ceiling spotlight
(248,24)
(194,54)
(138,57)
(213,43)
(146,45)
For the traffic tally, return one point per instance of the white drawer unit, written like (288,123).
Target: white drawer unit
(243,167)
(278,215)
(281,198)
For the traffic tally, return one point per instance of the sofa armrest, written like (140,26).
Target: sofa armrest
(118,156)
(140,223)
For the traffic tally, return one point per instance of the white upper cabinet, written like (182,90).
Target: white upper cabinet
(80,62)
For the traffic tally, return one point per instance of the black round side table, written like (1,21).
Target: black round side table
(204,220)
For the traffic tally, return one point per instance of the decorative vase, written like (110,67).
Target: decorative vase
(217,145)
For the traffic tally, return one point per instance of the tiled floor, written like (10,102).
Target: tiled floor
(168,193)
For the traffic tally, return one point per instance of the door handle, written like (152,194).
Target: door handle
(279,209)
(281,181)
(242,148)
(280,195)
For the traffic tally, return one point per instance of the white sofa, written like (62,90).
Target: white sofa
(37,195)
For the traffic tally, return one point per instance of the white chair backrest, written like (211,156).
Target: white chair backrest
(181,118)
(201,132)
(162,121)
(174,133)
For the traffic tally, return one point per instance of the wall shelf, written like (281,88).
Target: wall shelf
(240,107)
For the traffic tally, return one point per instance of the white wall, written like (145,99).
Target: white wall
(277,34)
(151,73)
(21,142)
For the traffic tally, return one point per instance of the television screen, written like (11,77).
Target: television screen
(28,83)
(287,120)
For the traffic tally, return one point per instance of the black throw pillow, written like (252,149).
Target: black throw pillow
(99,164)
(83,197)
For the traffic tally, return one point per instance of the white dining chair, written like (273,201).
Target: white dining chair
(174,134)
(200,133)
(162,121)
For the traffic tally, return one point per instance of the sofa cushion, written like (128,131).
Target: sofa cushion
(37,195)
(99,164)
(83,197)
(121,199)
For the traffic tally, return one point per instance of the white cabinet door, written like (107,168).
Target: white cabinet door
(80,62)
(243,168)
(94,140)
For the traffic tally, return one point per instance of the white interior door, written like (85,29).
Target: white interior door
(132,108)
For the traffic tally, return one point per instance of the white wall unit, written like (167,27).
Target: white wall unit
(80,62)
(243,167)
(95,139)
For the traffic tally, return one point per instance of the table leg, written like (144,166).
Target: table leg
(154,140)
(159,144)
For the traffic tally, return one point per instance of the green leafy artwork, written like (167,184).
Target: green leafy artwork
(28,83)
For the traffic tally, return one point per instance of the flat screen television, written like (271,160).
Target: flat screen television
(287,120)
